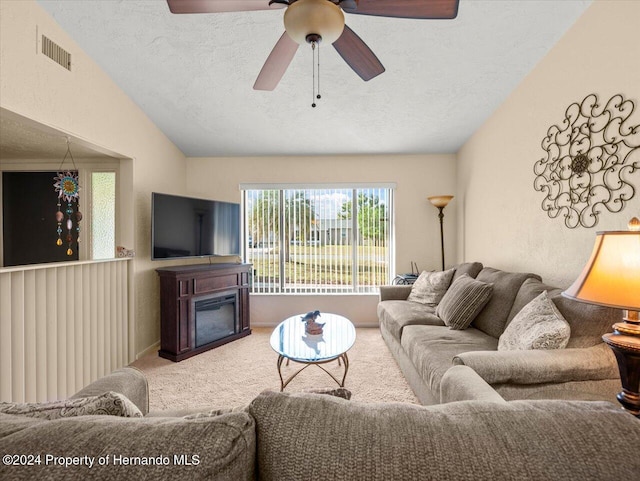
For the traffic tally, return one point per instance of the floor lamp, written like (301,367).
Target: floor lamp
(440,201)
(612,278)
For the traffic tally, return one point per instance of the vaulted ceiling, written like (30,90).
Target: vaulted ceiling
(193,74)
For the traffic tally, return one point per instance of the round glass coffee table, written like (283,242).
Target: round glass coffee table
(292,343)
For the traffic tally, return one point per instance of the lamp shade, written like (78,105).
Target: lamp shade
(440,200)
(319,17)
(612,275)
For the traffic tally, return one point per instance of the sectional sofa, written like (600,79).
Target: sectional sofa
(299,437)
(426,349)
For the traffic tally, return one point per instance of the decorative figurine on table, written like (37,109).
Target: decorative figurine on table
(311,326)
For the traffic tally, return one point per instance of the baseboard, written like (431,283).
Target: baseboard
(150,350)
(156,345)
(263,324)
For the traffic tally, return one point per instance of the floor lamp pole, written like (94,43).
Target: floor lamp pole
(441,217)
(440,202)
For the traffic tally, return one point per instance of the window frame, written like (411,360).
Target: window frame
(355,288)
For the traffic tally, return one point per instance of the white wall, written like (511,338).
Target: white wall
(501,222)
(416,220)
(86,104)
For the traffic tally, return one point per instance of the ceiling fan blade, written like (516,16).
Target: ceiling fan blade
(358,55)
(276,64)
(217,6)
(437,9)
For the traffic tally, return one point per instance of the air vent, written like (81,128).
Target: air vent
(56,53)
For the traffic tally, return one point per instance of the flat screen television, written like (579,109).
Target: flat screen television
(183,227)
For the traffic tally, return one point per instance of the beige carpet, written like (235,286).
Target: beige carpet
(235,373)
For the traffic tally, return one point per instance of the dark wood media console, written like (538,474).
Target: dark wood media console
(202,306)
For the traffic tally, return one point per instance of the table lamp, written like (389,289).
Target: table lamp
(612,278)
(440,201)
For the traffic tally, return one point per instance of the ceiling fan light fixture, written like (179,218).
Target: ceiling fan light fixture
(314,17)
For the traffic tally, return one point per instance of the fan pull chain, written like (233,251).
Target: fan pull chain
(313,64)
(318,96)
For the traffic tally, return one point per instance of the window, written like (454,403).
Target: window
(318,240)
(103,215)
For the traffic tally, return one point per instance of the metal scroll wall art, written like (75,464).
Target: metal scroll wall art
(67,186)
(589,159)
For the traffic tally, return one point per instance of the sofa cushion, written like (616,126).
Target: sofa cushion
(395,315)
(11,423)
(219,447)
(463,301)
(308,438)
(107,404)
(429,287)
(472,269)
(493,318)
(539,325)
(529,290)
(432,349)
(588,322)
(540,366)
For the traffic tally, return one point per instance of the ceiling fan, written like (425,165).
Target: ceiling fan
(313,21)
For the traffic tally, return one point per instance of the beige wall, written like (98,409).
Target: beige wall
(495,216)
(86,104)
(501,222)
(416,221)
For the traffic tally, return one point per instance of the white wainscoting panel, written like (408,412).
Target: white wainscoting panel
(63,326)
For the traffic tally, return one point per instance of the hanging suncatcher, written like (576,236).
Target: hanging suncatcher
(67,186)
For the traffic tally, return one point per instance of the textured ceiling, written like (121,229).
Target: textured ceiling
(193,74)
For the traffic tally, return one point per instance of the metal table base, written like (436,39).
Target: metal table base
(342,359)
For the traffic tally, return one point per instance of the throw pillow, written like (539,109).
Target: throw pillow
(429,287)
(463,301)
(109,403)
(539,325)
